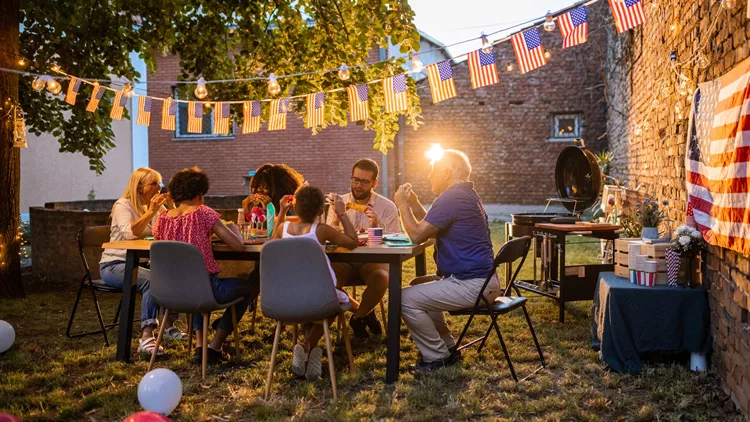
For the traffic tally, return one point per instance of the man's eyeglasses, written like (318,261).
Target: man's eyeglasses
(360,182)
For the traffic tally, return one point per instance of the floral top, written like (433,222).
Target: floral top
(195,227)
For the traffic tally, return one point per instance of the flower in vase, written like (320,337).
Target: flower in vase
(696,234)
(684,240)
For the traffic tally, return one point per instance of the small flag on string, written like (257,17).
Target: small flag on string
(482,69)
(96,95)
(395,93)
(73,87)
(358,107)
(195,117)
(250,116)
(168,114)
(221,119)
(118,105)
(144,111)
(277,115)
(628,14)
(529,50)
(574,27)
(440,76)
(315,108)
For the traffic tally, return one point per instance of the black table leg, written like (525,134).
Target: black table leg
(393,356)
(125,335)
(420,264)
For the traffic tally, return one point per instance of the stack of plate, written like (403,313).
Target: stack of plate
(375,236)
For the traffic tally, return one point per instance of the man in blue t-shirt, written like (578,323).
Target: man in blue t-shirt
(463,254)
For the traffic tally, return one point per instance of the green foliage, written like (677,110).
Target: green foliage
(631,225)
(217,39)
(604,158)
(648,214)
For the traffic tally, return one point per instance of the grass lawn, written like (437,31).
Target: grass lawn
(46,376)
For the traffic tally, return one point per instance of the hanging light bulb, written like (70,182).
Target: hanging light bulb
(638,131)
(678,110)
(55,68)
(682,88)
(200,91)
(646,125)
(654,4)
(53,86)
(39,83)
(509,67)
(673,26)
(416,64)
(655,103)
(549,22)
(486,46)
(127,90)
(547,54)
(273,85)
(728,4)
(21,62)
(344,73)
(701,60)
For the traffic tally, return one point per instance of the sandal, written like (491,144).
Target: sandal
(148,345)
(174,333)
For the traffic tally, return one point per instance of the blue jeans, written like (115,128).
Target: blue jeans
(113,274)
(226,290)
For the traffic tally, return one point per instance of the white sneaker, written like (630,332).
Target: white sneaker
(299,360)
(314,363)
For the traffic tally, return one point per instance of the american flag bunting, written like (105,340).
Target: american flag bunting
(358,107)
(574,27)
(195,117)
(277,114)
(440,77)
(395,93)
(144,111)
(529,51)
(168,114)
(250,116)
(73,87)
(628,14)
(96,95)
(118,105)
(222,120)
(482,69)
(315,109)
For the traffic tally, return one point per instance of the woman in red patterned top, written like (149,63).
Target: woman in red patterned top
(193,222)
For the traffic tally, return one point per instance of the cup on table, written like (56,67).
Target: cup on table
(375,236)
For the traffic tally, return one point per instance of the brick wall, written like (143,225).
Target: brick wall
(636,61)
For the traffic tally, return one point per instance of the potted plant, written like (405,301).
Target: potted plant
(687,244)
(650,216)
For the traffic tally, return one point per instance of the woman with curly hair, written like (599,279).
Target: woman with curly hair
(270,183)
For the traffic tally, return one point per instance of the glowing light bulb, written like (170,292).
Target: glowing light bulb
(637,131)
(728,4)
(435,153)
(646,125)
(655,103)
(654,4)
(127,90)
(682,88)
(673,26)
(39,83)
(344,73)
(549,22)
(678,109)
(486,46)
(702,60)
(273,85)
(53,86)
(665,90)
(416,64)
(22,62)
(55,68)
(509,67)
(547,54)
(200,91)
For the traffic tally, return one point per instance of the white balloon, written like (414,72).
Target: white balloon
(160,391)
(7,336)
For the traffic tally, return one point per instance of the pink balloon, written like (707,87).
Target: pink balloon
(145,417)
(4,417)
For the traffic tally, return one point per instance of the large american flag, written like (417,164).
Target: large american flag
(628,14)
(73,87)
(529,51)
(195,117)
(250,116)
(144,111)
(222,120)
(440,77)
(395,93)
(716,161)
(96,95)
(574,27)
(168,114)
(277,114)
(482,69)
(118,105)
(315,108)
(358,107)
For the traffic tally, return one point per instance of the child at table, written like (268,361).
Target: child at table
(193,222)
(308,204)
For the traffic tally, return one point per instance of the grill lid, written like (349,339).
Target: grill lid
(577,178)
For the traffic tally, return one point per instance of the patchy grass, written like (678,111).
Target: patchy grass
(47,376)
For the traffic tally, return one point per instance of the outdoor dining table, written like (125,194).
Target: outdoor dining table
(391,255)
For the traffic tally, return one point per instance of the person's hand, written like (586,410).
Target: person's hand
(401,197)
(412,195)
(338,203)
(286,203)
(372,218)
(156,202)
(169,202)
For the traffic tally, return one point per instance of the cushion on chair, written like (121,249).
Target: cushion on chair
(502,305)
(101,286)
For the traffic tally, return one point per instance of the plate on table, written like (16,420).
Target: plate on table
(148,238)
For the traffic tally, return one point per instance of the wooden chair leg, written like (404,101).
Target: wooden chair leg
(255,313)
(205,347)
(236,333)
(354,292)
(274,349)
(383,315)
(331,369)
(190,333)
(158,342)
(348,343)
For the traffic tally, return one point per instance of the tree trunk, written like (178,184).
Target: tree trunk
(10,158)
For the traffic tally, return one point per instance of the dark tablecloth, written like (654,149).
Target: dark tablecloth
(629,319)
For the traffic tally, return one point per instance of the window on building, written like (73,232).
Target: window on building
(566,126)
(181,123)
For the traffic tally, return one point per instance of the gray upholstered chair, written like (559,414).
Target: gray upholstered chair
(296,287)
(180,283)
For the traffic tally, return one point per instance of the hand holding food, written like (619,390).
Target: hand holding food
(157,201)
(372,218)
(286,202)
(356,207)
(338,203)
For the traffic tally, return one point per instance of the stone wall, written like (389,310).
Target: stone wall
(637,62)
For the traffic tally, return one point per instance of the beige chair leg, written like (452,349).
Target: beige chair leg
(383,315)
(273,359)
(354,292)
(348,343)
(236,333)
(205,347)
(190,333)
(255,312)
(158,340)
(331,369)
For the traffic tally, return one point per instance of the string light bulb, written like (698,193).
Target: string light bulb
(509,67)
(646,125)
(655,103)
(39,83)
(678,110)
(344,73)
(665,90)
(682,87)
(486,45)
(55,68)
(673,27)
(273,85)
(127,90)
(549,22)
(200,91)
(702,60)
(728,4)
(416,64)
(21,62)
(547,54)
(53,86)
(638,131)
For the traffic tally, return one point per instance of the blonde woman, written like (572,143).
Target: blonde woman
(132,217)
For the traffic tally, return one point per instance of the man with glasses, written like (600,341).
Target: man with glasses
(379,212)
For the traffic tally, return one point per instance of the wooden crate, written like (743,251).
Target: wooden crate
(655,252)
